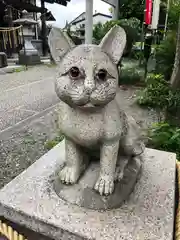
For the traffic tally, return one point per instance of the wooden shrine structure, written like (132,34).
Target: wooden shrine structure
(10,10)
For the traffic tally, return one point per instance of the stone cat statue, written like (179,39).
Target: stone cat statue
(88,115)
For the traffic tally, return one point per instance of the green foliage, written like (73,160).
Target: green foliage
(173,15)
(155,93)
(165,54)
(20,69)
(165,137)
(131,8)
(136,53)
(131,27)
(100,30)
(52,143)
(130,76)
(132,22)
(159,94)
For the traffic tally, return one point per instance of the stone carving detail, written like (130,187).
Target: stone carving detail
(89,115)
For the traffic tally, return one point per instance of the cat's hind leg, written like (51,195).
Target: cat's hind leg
(120,167)
(131,149)
(132,142)
(127,166)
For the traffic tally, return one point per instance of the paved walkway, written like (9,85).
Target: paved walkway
(25,95)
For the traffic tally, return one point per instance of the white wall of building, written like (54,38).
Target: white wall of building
(96,19)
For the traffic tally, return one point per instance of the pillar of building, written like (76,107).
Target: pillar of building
(43,29)
(10,25)
(115,13)
(89,22)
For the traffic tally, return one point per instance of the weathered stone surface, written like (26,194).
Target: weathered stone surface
(3,60)
(89,116)
(30,200)
(84,195)
(29,55)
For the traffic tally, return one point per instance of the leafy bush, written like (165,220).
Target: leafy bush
(156,93)
(100,30)
(159,94)
(130,76)
(173,15)
(131,27)
(165,54)
(136,53)
(165,137)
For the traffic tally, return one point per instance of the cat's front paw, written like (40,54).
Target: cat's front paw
(104,185)
(69,175)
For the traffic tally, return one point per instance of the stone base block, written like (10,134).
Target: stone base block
(148,214)
(29,59)
(3,60)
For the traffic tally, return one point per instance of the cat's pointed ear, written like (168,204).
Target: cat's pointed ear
(59,43)
(114,43)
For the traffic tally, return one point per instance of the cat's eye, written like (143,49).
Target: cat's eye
(74,72)
(102,74)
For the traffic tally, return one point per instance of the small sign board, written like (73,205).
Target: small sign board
(110,2)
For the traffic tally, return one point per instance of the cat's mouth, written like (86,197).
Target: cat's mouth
(88,105)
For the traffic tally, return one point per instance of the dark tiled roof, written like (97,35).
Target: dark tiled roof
(74,20)
(61,2)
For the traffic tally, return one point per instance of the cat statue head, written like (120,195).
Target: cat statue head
(87,74)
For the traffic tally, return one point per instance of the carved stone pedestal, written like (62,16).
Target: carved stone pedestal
(84,195)
(148,214)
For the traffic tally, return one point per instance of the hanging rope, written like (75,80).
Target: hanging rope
(10,28)
(9,33)
(9,232)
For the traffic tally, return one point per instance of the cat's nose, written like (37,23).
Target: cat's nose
(89,86)
(89,90)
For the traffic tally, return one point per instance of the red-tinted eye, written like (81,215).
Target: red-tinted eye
(74,72)
(102,74)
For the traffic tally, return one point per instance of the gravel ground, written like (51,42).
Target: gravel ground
(23,147)
(25,94)
(33,74)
